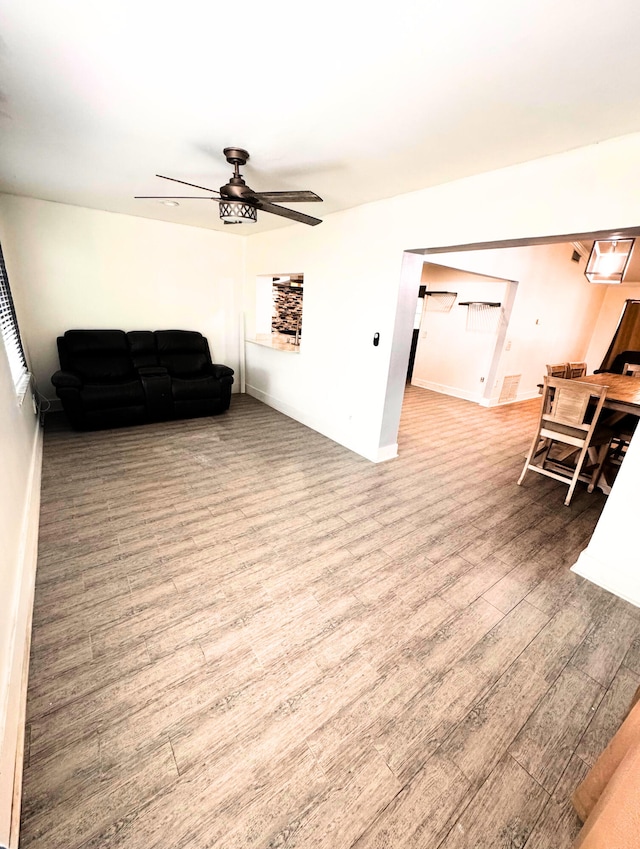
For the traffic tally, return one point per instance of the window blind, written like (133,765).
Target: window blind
(10,331)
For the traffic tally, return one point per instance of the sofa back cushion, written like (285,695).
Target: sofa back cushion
(184,353)
(98,356)
(143,348)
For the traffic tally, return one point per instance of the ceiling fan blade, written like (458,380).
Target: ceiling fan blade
(289,197)
(172,197)
(184,183)
(286,213)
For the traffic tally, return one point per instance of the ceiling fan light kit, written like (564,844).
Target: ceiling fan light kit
(234,212)
(238,203)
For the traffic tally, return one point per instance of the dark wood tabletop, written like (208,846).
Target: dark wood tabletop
(623,393)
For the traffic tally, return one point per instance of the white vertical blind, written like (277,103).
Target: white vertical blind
(10,332)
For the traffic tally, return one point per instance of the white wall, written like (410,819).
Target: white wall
(336,383)
(20,467)
(79,267)
(612,557)
(451,357)
(554,313)
(608,318)
(352,262)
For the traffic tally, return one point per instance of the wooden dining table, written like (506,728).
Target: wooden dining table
(623,396)
(623,392)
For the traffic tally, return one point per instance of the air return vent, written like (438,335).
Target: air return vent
(509,391)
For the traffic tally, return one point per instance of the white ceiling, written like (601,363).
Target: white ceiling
(354,101)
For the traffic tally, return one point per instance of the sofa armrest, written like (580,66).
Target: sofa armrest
(220,371)
(66,380)
(152,371)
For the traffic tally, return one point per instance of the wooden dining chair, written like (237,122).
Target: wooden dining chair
(576,370)
(568,418)
(558,369)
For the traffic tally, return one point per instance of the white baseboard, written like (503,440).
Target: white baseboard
(443,389)
(283,407)
(375,455)
(20,609)
(523,396)
(475,397)
(620,579)
(389,452)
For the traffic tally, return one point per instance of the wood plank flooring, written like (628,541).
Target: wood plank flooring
(245,635)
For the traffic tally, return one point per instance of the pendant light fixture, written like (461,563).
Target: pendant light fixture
(608,260)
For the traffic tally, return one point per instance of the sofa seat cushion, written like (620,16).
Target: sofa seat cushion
(196,388)
(103,396)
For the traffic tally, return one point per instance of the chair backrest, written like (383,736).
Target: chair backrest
(96,355)
(568,416)
(557,369)
(631,369)
(567,407)
(576,370)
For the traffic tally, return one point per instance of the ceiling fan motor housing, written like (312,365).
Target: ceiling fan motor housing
(236,155)
(236,187)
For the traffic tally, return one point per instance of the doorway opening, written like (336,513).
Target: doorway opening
(461,331)
(411,280)
(487,255)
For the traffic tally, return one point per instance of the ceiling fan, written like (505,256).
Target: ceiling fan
(238,203)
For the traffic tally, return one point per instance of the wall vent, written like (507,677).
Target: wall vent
(509,391)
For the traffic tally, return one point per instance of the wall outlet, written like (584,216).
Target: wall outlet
(507,347)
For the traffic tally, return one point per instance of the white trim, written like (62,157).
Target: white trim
(13,701)
(389,452)
(454,392)
(321,426)
(466,395)
(593,569)
(22,385)
(522,396)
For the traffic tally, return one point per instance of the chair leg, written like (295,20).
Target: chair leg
(532,452)
(576,475)
(602,456)
(524,472)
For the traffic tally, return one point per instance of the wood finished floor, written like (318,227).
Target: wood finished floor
(247,636)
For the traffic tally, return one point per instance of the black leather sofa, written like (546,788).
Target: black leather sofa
(109,378)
